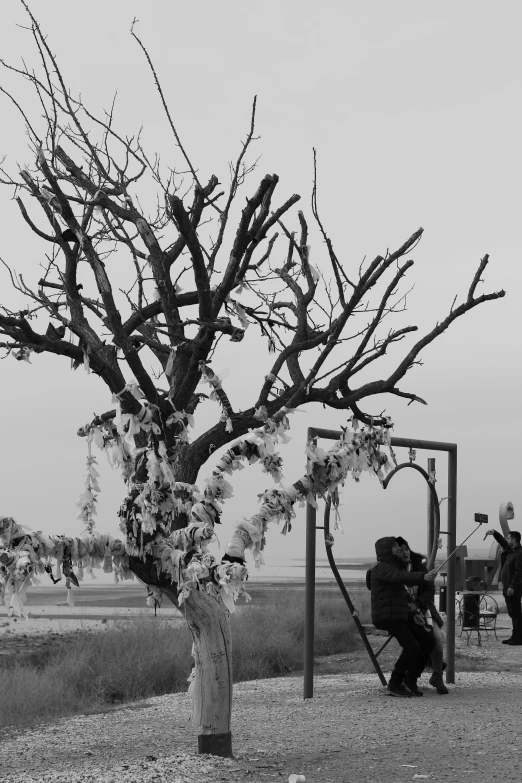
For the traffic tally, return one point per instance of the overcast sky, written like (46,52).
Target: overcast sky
(415,111)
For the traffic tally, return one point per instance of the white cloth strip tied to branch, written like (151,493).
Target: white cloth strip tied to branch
(87,500)
(154,597)
(130,424)
(107,439)
(156,501)
(185,420)
(26,555)
(183,555)
(232,579)
(209,376)
(241,314)
(259,444)
(355,452)
(23,354)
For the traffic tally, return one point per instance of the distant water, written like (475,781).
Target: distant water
(353,569)
(273,571)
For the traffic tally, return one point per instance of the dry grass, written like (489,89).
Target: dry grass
(150,658)
(268,640)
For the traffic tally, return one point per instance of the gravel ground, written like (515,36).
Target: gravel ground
(351,732)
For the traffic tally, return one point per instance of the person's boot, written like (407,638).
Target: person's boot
(508,641)
(516,639)
(395,686)
(438,683)
(411,684)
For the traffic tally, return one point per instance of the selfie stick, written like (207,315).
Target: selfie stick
(482,520)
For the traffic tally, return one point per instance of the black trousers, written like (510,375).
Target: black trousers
(514,606)
(416,642)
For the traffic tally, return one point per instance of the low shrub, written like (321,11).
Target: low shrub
(268,639)
(149,657)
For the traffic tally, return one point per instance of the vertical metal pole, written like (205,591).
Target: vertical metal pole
(452,543)
(309,602)
(431,512)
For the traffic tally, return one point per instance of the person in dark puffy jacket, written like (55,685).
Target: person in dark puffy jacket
(390,612)
(422,598)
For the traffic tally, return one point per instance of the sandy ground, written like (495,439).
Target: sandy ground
(350,732)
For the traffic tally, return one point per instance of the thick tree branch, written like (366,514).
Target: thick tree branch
(241,241)
(188,232)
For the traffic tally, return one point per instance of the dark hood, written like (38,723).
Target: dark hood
(383,549)
(418,561)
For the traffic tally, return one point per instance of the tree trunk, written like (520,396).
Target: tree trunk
(209,622)
(211,688)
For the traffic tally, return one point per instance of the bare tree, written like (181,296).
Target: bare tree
(152,344)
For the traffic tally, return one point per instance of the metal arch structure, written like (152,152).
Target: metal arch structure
(333,565)
(435,501)
(344,591)
(311,530)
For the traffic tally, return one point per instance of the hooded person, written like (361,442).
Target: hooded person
(390,613)
(422,600)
